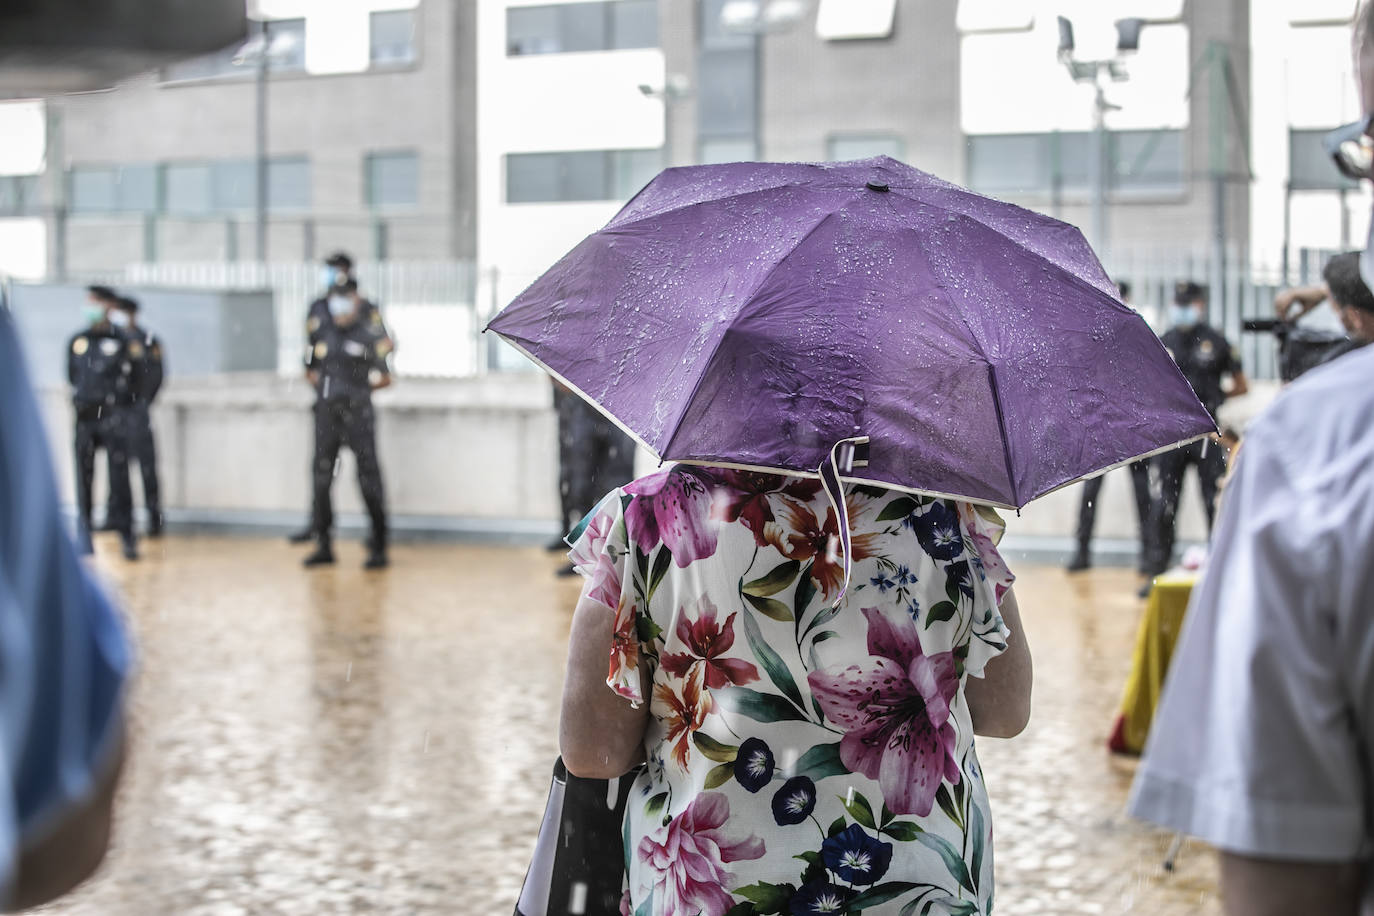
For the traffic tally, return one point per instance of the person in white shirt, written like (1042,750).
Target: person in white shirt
(1263,742)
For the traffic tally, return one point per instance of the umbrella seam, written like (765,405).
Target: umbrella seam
(1002,429)
(694,204)
(744,301)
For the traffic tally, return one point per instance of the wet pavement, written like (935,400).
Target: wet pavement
(337,741)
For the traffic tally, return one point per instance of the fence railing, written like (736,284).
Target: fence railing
(428,305)
(436,309)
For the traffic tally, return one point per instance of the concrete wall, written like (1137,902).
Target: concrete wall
(469,456)
(236,449)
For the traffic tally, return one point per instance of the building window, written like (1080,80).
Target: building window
(113,189)
(287,50)
(19,195)
(1047,164)
(1309,164)
(392,180)
(583,175)
(231,186)
(726,149)
(392,38)
(839,147)
(566,27)
(288,183)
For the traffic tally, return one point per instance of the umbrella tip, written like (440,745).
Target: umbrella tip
(877,185)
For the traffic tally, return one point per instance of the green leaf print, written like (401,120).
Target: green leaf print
(775,581)
(902,831)
(654,806)
(975,829)
(900,507)
(771,661)
(767,898)
(940,613)
(713,749)
(953,861)
(821,761)
(881,893)
(770,607)
(859,809)
(806,591)
(760,707)
(742,909)
(720,775)
(661,561)
(946,804)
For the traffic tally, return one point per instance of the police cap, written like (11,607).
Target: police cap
(1188,292)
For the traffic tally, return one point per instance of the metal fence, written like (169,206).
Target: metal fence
(1240,289)
(436,309)
(428,305)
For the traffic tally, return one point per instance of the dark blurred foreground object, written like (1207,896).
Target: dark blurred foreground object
(1300,349)
(578,864)
(53,46)
(64,659)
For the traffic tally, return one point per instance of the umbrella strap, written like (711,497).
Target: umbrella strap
(845,455)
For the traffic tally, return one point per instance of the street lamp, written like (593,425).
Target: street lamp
(260,52)
(1094,71)
(675,88)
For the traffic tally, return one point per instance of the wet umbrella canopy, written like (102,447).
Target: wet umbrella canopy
(757,313)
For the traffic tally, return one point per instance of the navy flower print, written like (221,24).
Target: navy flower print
(795,801)
(820,897)
(855,856)
(937,530)
(754,765)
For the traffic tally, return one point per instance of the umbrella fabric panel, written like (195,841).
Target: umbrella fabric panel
(630,316)
(1082,382)
(851,336)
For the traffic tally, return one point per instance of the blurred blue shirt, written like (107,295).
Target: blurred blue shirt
(64,657)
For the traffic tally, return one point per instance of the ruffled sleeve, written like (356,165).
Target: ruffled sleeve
(984,528)
(600,554)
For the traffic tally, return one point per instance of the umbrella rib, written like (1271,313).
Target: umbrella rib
(1002,430)
(744,301)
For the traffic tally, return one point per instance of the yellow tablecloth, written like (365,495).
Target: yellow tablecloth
(1154,646)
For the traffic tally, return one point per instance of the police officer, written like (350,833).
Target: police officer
(103,366)
(593,456)
(1206,358)
(337,270)
(346,362)
(140,429)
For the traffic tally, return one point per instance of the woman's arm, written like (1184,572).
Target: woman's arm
(1000,701)
(601,735)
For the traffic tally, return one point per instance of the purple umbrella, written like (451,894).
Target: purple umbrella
(756,314)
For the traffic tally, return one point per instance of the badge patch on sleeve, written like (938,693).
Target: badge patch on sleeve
(80,346)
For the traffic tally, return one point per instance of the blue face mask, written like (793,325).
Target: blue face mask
(1182,316)
(119,319)
(93,314)
(331,277)
(340,306)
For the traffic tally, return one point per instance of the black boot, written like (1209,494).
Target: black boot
(155,523)
(1082,559)
(376,552)
(130,545)
(323,554)
(304,536)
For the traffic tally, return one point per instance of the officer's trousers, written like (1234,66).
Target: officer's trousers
(350,422)
(1087,510)
(107,428)
(143,450)
(1210,460)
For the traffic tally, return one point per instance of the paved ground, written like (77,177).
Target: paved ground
(341,742)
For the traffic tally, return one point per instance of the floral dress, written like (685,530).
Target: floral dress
(802,758)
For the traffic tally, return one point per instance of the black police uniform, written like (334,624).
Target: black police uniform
(1087,512)
(316,316)
(344,356)
(593,456)
(104,368)
(1204,356)
(147,351)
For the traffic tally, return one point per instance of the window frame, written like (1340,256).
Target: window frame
(369,184)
